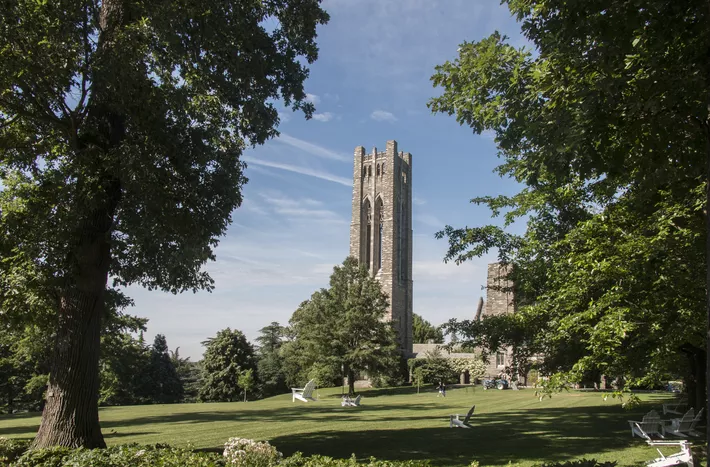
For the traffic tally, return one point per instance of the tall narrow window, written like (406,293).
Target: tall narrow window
(380,236)
(500,358)
(368,235)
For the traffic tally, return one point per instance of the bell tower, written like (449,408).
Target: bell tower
(381,228)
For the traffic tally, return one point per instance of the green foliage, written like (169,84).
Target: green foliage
(606,126)
(190,374)
(226,357)
(299,460)
(270,364)
(118,456)
(418,377)
(580,463)
(342,327)
(165,382)
(246,381)
(434,368)
(325,374)
(423,332)
(24,365)
(11,449)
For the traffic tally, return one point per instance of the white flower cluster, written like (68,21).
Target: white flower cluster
(244,452)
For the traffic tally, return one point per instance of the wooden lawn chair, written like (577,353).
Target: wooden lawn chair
(305,393)
(684,426)
(347,402)
(456,422)
(649,425)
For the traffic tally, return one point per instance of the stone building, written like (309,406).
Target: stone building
(499,300)
(500,296)
(381,228)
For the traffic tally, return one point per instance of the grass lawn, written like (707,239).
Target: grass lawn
(509,426)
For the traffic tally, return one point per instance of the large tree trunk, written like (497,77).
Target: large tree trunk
(707,260)
(351,382)
(71,417)
(696,382)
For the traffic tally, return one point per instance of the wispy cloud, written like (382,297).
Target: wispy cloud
(429,220)
(311,148)
(312,98)
(419,201)
(296,209)
(383,116)
(324,117)
(300,170)
(281,201)
(284,117)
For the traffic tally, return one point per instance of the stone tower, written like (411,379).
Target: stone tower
(500,298)
(381,228)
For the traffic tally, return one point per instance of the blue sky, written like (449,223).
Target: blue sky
(370,84)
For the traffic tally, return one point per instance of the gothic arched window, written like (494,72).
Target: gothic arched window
(367,208)
(369,171)
(380,231)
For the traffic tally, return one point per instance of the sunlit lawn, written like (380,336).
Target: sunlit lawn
(509,426)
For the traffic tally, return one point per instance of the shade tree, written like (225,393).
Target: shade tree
(607,127)
(343,327)
(121,127)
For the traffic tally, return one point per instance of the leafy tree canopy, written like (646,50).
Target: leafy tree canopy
(227,356)
(606,126)
(424,332)
(343,326)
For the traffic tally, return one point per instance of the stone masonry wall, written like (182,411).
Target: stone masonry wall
(500,299)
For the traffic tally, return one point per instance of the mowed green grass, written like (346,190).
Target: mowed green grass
(396,424)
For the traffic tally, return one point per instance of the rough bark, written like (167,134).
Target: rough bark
(707,268)
(351,382)
(696,379)
(71,417)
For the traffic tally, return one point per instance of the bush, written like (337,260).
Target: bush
(298,460)
(238,452)
(118,456)
(11,449)
(580,463)
(243,452)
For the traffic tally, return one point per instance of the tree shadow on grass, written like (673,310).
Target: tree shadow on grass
(13,430)
(297,413)
(19,416)
(495,439)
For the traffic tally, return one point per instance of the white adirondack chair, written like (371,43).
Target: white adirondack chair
(305,393)
(456,422)
(649,425)
(685,426)
(682,457)
(347,402)
(675,408)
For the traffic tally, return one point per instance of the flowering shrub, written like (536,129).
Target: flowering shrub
(244,452)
